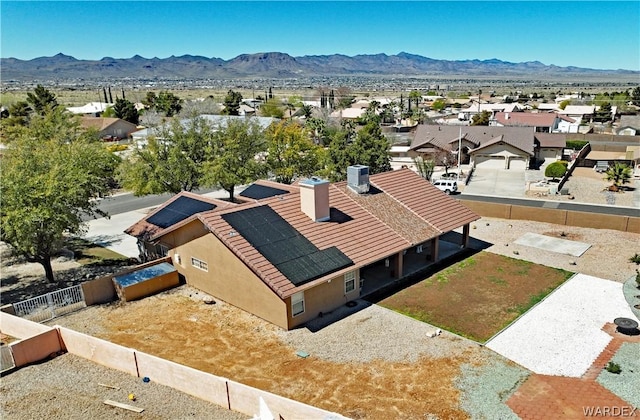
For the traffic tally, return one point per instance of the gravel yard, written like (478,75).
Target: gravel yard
(607,258)
(588,186)
(67,386)
(563,334)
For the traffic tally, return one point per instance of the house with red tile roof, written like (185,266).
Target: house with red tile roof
(289,253)
(544,122)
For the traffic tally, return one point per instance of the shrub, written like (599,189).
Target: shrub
(117,147)
(576,144)
(555,170)
(635,259)
(613,368)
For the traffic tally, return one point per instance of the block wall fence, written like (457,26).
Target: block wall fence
(37,342)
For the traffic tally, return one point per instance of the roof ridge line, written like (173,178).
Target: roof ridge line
(410,209)
(368,212)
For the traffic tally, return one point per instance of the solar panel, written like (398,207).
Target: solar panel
(283,246)
(178,210)
(258,192)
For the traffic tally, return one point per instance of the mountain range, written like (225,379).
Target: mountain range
(279,65)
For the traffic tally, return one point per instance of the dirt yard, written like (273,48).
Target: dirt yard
(492,288)
(227,342)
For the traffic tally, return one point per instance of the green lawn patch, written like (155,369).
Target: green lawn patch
(87,253)
(478,296)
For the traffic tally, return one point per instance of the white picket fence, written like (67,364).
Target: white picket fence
(45,307)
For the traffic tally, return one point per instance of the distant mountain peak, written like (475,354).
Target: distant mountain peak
(274,64)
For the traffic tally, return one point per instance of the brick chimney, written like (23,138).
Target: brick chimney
(314,198)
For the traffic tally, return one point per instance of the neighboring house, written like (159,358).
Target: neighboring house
(493,108)
(92,109)
(109,128)
(289,253)
(349,113)
(541,122)
(629,125)
(548,148)
(579,112)
(482,146)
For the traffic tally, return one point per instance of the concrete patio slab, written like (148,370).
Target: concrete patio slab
(563,334)
(561,246)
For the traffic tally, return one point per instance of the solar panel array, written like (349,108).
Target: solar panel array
(178,210)
(258,192)
(283,246)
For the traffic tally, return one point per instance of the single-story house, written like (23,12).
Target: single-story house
(481,146)
(109,128)
(92,109)
(546,122)
(476,108)
(629,125)
(289,253)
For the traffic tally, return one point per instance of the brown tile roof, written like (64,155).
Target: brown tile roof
(526,119)
(551,140)
(407,210)
(352,229)
(519,137)
(100,123)
(149,232)
(423,199)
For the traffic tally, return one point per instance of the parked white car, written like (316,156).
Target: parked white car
(446,185)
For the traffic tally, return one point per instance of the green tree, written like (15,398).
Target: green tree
(635,96)
(51,175)
(234,155)
(425,167)
(168,103)
(19,113)
(367,147)
(272,108)
(439,105)
(481,118)
(232,103)
(555,170)
(603,114)
(172,161)
(564,104)
(371,114)
(291,154)
(415,96)
(307,111)
(619,174)
(42,100)
(126,110)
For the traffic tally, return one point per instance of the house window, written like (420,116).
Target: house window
(199,264)
(297,303)
(349,282)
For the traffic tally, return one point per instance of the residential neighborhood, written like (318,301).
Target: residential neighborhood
(315,210)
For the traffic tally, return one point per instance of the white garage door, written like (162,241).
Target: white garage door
(489,162)
(517,164)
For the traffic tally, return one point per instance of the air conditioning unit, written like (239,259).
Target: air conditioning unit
(358,178)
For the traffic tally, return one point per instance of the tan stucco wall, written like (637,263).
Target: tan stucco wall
(561,217)
(227,278)
(323,298)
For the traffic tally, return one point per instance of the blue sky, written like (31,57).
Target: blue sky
(602,35)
